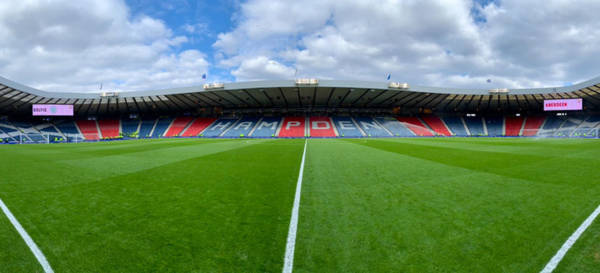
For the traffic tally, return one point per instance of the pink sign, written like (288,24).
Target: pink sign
(560,105)
(52,110)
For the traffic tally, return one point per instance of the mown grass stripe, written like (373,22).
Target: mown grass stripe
(30,243)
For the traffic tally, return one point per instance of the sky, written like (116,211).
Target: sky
(126,45)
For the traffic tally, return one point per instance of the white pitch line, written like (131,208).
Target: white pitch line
(570,242)
(30,243)
(290,246)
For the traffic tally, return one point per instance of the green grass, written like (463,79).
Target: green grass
(378,205)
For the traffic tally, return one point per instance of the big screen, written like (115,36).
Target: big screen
(52,110)
(561,105)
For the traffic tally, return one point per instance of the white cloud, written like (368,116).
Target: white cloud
(262,68)
(76,45)
(521,44)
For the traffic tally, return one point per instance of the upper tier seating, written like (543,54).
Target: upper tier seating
(494,126)
(161,127)
(346,127)
(146,128)
(456,126)
(267,127)
(293,127)
(532,125)
(415,125)
(218,127)
(129,126)
(321,127)
(178,125)
(475,125)
(89,129)
(197,126)
(242,128)
(109,128)
(371,127)
(437,125)
(513,126)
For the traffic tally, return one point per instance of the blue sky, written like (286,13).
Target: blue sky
(67,45)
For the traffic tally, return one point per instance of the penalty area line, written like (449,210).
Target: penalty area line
(288,263)
(30,243)
(560,254)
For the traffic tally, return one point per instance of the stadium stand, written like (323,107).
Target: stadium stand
(293,127)
(266,127)
(89,129)
(456,126)
(513,126)
(219,127)
(109,128)
(533,125)
(346,127)
(437,125)
(146,128)
(70,131)
(129,126)
(178,125)
(371,127)
(161,127)
(415,125)
(394,126)
(242,128)
(197,126)
(494,126)
(321,127)
(475,125)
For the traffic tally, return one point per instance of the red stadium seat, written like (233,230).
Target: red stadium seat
(198,126)
(415,125)
(321,127)
(512,126)
(533,125)
(437,125)
(177,126)
(109,128)
(293,127)
(88,129)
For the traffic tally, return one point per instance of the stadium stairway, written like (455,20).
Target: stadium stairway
(371,127)
(109,128)
(88,129)
(161,127)
(178,125)
(346,127)
(513,125)
(532,125)
(242,128)
(475,125)
(146,127)
(266,127)
(415,125)
(219,127)
(293,127)
(495,126)
(321,127)
(197,126)
(456,126)
(437,125)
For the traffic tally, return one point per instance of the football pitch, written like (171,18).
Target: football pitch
(367,205)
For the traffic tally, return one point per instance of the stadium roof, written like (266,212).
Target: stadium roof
(16,98)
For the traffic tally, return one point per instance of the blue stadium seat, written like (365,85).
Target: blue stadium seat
(395,126)
(494,125)
(218,127)
(456,126)
(475,125)
(146,128)
(346,127)
(242,127)
(267,127)
(129,126)
(161,127)
(371,127)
